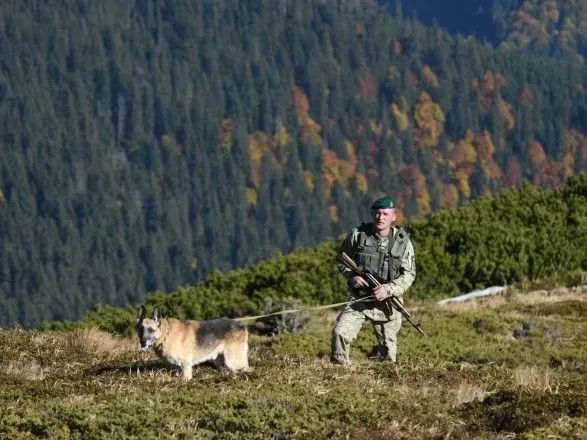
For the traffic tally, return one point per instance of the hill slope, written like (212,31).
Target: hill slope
(512,366)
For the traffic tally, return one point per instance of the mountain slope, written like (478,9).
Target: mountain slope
(146,144)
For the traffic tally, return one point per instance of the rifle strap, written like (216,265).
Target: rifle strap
(284,312)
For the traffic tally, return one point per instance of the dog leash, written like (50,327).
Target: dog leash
(329,306)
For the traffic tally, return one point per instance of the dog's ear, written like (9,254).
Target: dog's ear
(157,315)
(141,315)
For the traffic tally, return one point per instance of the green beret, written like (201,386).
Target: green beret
(382,203)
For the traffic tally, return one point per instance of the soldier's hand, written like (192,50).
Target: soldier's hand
(380,293)
(358,282)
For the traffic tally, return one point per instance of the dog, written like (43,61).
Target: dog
(187,343)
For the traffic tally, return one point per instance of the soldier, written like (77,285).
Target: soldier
(388,252)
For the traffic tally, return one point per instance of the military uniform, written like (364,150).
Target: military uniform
(392,259)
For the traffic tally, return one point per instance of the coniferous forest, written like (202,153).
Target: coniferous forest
(144,144)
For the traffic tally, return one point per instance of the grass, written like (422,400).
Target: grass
(507,367)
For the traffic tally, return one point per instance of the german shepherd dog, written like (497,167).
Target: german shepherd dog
(188,343)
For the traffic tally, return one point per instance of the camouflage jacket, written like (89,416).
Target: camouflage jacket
(377,253)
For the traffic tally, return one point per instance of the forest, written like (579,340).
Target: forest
(150,145)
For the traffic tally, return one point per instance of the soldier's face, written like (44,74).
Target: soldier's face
(383,218)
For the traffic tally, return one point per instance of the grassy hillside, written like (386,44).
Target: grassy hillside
(512,366)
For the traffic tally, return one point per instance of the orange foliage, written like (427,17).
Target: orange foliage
(506,113)
(368,86)
(361,182)
(414,187)
(255,158)
(485,150)
(464,151)
(552,175)
(475,151)
(261,145)
(396,48)
(336,169)
(488,87)
(450,196)
(225,134)
(525,95)
(310,133)
(537,154)
(430,76)
(300,101)
(513,173)
(309,129)
(485,147)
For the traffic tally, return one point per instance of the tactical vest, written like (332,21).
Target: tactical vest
(385,261)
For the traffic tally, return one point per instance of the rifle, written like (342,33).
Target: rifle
(374,282)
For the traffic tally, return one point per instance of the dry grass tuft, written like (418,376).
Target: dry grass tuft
(98,344)
(24,368)
(533,378)
(468,392)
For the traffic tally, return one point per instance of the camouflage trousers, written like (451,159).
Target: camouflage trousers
(348,325)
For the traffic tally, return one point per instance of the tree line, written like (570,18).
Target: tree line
(145,144)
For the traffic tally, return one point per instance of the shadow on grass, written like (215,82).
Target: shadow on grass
(125,367)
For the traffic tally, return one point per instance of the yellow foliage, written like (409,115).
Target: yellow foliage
(309,180)
(2,197)
(310,132)
(568,164)
(423,202)
(333,213)
(362,183)
(359,29)
(401,119)
(251,196)
(506,114)
(166,141)
(255,157)
(282,137)
(430,76)
(429,119)
(349,148)
(465,188)
(392,73)
(376,128)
